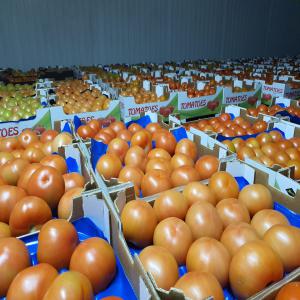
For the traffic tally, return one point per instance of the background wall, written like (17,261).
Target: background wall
(66,32)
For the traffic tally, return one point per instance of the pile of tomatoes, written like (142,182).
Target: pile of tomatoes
(34,183)
(226,238)
(269,148)
(154,161)
(91,263)
(273,110)
(229,128)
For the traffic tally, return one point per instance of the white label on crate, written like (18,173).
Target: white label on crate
(125,75)
(238,83)
(232,109)
(218,78)
(144,293)
(157,74)
(146,85)
(200,85)
(159,90)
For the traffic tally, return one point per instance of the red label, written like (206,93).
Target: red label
(10,131)
(236,99)
(194,104)
(142,109)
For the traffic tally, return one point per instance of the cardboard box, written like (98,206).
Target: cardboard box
(276,89)
(244,99)
(205,145)
(40,122)
(130,109)
(57,113)
(284,203)
(199,106)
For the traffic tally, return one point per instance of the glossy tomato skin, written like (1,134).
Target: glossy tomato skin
(70,286)
(95,259)
(14,257)
(48,184)
(134,215)
(4,230)
(132,174)
(160,263)
(207,165)
(155,181)
(174,235)
(170,204)
(9,196)
(11,171)
(197,191)
(258,260)
(187,147)
(27,137)
(29,214)
(65,204)
(73,180)
(290,291)
(55,161)
(32,283)
(57,236)
(109,166)
(26,174)
(199,218)
(48,135)
(64,138)
(223,185)
(200,285)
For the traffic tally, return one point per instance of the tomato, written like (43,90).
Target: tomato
(174,235)
(187,147)
(179,160)
(9,196)
(70,286)
(209,255)
(142,139)
(55,161)
(165,140)
(118,147)
(155,181)
(73,180)
(29,214)
(65,204)
(57,236)
(183,175)
(26,174)
(117,126)
(256,197)
(33,155)
(60,140)
(12,170)
(134,214)
(109,166)
(285,241)
(200,285)
(223,185)
(161,264)
(27,137)
(5,157)
(136,157)
(258,260)
(124,135)
(232,211)
(14,257)
(159,164)
(48,136)
(9,144)
(197,191)
(236,235)
(199,218)
(290,291)
(206,166)
(95,259)
(132,174)
(85,132)
(48,184)
(170,204)
(4,230)
(32,283)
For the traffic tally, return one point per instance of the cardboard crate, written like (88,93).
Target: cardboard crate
(284,203)
(57,113)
